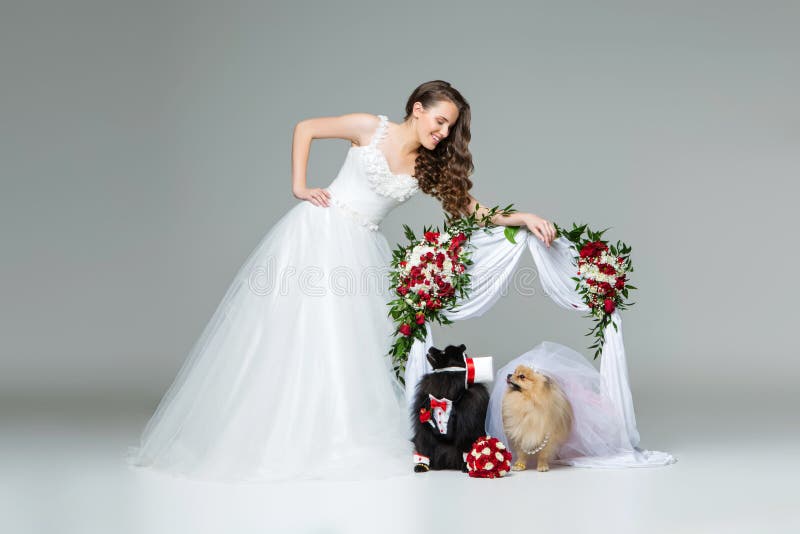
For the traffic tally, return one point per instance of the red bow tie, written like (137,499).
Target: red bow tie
(440,403)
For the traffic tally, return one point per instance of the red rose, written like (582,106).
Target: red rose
(432,237)
(620,283)
(403,263)
(405,329)
(457,241)
(608,306)
(420,318)
(424,415)
(607,269)
(402,290)
(593,249)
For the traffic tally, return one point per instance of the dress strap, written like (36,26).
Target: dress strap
(381,131)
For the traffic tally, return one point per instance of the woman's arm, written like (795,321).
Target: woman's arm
(541,228)
(353,127)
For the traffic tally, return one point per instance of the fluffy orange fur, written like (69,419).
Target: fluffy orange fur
(534,407)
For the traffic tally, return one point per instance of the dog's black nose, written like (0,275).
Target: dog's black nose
(508,376)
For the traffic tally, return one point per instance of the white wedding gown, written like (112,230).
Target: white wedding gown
(290,378)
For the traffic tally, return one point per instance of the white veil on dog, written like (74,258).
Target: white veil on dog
(597,439)
(604,434)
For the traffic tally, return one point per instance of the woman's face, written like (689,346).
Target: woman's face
(435,123)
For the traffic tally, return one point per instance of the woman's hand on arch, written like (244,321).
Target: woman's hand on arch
(318,197)
(541,228)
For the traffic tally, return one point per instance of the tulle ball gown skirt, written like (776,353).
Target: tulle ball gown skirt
(289,378)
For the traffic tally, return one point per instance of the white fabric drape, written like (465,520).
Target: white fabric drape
(494,262)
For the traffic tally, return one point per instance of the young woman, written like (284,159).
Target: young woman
(290,377)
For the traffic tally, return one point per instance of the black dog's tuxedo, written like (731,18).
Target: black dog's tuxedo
(447,415)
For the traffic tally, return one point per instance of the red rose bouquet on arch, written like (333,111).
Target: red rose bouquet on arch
(602,277)
(428,276)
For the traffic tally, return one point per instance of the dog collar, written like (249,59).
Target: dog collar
(449,370)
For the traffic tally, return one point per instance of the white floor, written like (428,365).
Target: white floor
(62,472)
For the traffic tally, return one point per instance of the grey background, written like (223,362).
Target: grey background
(145,150)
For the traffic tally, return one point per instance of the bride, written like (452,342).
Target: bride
(290,378)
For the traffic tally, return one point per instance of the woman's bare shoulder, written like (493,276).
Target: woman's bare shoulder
(356,127)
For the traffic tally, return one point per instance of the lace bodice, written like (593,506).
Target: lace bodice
(365,187)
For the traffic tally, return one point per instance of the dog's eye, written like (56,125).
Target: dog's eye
(522,377)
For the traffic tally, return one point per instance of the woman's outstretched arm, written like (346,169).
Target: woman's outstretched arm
(541,228)
(354,127)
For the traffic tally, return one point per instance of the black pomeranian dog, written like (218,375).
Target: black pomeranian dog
(447,415)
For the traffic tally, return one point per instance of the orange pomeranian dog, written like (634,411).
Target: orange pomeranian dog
(537,417)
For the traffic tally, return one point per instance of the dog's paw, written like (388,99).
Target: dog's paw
(421,468)
(542,467)
(519,466)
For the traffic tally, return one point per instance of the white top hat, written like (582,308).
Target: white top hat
(479,369)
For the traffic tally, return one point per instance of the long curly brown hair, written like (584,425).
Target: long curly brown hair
(444,171)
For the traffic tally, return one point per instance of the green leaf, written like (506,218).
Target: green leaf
(409,233)
(511,232)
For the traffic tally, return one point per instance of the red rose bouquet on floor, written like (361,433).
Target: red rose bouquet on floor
(489,458)
(602,277)
(428,276)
